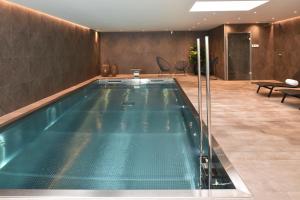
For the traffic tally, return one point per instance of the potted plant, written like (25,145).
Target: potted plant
(193,58)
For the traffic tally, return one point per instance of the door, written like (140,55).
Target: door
(239,56)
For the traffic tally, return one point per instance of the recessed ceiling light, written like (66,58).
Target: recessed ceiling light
(239,18)
(295,12)
(226,5)
(255,12)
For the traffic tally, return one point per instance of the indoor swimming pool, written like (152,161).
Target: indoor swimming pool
(140,134)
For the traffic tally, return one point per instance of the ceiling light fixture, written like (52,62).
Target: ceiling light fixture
(203,6)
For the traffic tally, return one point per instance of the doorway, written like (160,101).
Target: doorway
(239,56)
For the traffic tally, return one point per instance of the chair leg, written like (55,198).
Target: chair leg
(258,89)
(283,98)
(271,90)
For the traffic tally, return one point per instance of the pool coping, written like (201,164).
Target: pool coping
(241,190)
(26,110)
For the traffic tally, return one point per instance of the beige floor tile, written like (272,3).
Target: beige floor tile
(260,136)
(294,195)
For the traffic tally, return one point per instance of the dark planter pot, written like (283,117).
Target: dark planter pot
(195,68)
(203,69)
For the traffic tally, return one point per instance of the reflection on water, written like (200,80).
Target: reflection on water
(106,137)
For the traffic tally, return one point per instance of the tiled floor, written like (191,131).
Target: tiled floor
(260,136)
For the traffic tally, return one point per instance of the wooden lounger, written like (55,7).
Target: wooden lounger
(271,86)
(289,92)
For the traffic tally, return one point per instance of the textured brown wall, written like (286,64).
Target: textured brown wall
(40,55)
(139,49)
(216,38)
(262,57)
(287,49)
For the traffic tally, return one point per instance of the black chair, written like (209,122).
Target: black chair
(164,65)
(181,66)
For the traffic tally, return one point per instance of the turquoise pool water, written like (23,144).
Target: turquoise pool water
(111,136)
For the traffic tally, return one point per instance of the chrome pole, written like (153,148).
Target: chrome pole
(208,111)
(200,106)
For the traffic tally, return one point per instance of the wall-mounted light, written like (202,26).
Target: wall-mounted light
(96,37)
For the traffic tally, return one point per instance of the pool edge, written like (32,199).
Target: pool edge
(28,109)
(241,188)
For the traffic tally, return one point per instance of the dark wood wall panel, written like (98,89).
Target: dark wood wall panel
(217,49)
(40,56)
(139,49)
(262,57)
(287,49)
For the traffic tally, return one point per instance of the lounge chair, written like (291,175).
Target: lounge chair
(181,66)
(163,65)
(289,92)
(271,86)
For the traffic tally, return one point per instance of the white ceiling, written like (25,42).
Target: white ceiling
(155,15)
